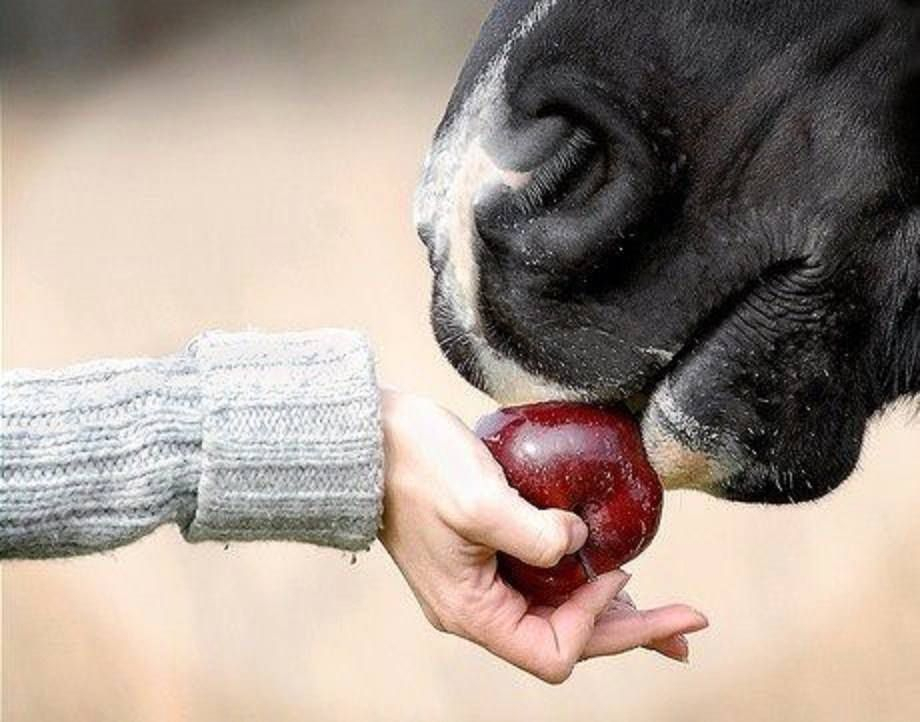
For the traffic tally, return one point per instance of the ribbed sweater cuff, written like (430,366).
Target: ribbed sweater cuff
(291,439)
(96,455)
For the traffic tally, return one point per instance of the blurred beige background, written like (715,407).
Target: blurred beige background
(254,167)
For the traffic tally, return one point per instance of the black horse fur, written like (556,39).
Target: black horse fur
(708,209)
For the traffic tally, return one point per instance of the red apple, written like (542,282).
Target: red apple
(585,459)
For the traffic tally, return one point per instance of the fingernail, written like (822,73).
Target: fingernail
(578,536)
(622,577)
(704,620)
(685,657)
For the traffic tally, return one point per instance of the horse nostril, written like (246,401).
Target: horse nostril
(523,147)
(552,153)
(575,161)
(569,172)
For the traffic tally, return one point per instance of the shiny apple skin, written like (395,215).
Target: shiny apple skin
(585,459)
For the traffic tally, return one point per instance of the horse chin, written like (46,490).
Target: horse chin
(685,453)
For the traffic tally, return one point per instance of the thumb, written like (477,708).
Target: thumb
(539,537)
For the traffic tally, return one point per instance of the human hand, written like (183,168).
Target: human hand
(448,509)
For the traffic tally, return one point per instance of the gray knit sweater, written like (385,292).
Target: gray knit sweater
(241,437)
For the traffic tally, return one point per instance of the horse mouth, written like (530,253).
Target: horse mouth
(487,359)
(496,370)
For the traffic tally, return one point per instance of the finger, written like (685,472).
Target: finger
(616,633)
(550,647)
(572,625)
(574,622)
(622,605)
(539,537)
(675,647)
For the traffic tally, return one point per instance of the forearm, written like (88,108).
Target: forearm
(242,437)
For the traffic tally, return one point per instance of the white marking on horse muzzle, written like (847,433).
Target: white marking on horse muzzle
(457,168)
(509,384)
(681,463)
(477,171)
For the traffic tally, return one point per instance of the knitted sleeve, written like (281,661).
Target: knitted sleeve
(241,437)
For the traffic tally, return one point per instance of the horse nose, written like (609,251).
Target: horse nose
(523,147)
(426,235)
(465,170)
(559,165)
